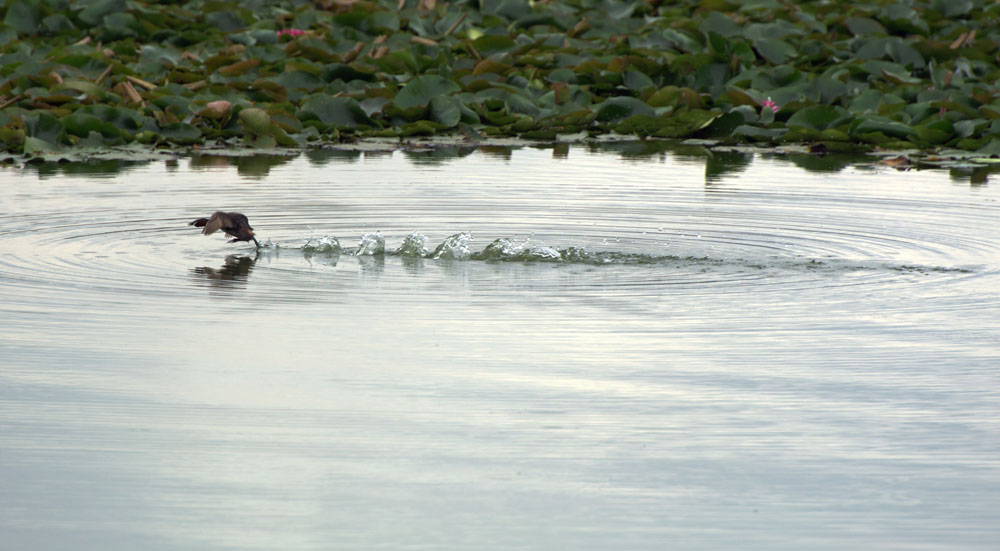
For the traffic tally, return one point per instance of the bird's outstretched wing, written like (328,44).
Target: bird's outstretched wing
(214,223)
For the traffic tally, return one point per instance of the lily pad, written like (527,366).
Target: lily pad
(686,122)
(24,17)
(181,133)
(759,134)
(82,124)
(334,111)
(255,121)
(446,111)
(935,132)
(862,73)
(776,52)
(882,125)
(819,117)
(616,109)
(35,146)
(94,12)
(44,126)
(419,91)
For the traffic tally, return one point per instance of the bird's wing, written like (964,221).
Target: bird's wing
(239,221)
(214,224)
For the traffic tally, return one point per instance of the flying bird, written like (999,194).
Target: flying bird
(234,225)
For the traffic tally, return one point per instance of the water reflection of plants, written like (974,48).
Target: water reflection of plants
(720,161)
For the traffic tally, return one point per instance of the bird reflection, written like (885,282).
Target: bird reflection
(232,274)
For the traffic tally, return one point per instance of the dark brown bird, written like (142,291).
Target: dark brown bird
(234,224)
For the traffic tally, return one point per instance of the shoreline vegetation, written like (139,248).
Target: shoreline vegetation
(79,77)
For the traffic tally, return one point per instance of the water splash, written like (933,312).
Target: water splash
(455,247)
(505,249)
(371,244)
(413,246)
(500,249)
(321,245)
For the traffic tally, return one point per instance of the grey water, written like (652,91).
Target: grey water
(500,348)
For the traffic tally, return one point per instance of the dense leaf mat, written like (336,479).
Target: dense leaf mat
(86,75)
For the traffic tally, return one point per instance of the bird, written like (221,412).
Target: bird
(234,224)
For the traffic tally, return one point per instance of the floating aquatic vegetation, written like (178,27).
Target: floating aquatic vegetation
(76,74)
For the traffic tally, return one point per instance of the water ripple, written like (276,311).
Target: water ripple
(636,235)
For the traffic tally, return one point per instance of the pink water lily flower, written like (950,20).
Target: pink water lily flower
(769,103)
(291,32)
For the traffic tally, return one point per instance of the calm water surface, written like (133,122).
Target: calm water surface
(667,352)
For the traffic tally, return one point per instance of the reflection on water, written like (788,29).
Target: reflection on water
(719,163)
(233,273)
(248,166)
(588,347)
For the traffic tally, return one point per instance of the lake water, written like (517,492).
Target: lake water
(665,351)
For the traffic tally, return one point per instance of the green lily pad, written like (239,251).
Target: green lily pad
(493,43)
(418,128)
(991,148)
(44,126)
(967,128)
(256,121)
(517,103)
(936,132)
(681,41)
(776,52)
(884,72)
(637,81)
(686,122)
(881,125)
(759,134)
(819,117)
(119,26)
(225,20)
(991,112)
(23,17)
(299,79)
(334,111)
(94,13)
(445,111)
(721,24)
(181,133)
(616,109)
(82,124)
(346,72)
(56,23)
(419,91)
(84,86)
(860,26)
(121,117)
(35,146)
